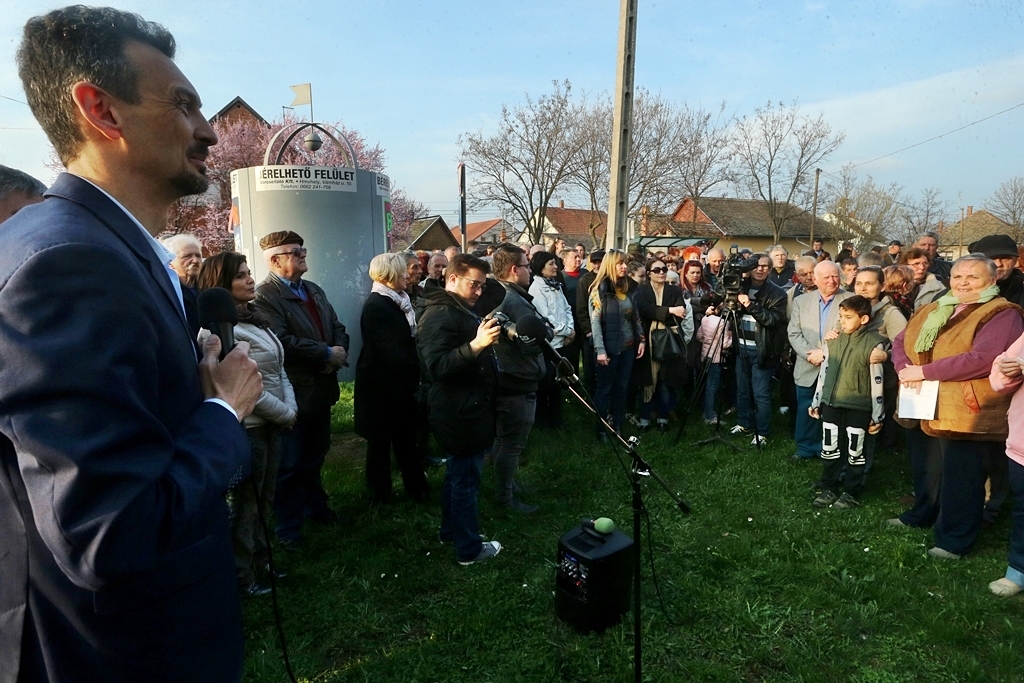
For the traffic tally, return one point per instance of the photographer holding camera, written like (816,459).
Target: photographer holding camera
(762,328)
(457,355)
(520,370)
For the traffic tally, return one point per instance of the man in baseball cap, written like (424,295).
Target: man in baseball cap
(893,255)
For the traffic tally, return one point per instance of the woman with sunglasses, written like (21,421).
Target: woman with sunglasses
(617,335)
(661,306)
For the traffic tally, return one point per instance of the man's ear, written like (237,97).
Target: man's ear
(98,109)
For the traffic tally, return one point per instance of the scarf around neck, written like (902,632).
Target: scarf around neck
(403,301)
(941,315)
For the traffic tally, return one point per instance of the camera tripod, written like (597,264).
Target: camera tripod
(730,314)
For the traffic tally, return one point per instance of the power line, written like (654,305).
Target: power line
(955,130)
(13,100)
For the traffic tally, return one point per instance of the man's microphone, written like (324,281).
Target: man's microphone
(533,331)
(219,315)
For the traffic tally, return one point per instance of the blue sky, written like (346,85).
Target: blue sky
(412,76)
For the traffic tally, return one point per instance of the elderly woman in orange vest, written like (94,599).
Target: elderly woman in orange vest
(954,340)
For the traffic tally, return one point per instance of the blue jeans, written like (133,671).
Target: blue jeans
(712,382)
(663,400)
(751,377)
(459,521)
(300,492)
(808,430)
(612,383)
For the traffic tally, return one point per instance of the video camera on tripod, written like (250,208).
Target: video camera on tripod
(731,282)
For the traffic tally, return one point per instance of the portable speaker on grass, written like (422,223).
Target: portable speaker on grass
(593,580)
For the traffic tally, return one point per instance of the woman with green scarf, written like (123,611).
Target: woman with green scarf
(954,340)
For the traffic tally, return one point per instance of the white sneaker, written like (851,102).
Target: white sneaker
(759,441)
(739,429)
(489,550)
(783,410)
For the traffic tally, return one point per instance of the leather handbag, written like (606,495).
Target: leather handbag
(667,344)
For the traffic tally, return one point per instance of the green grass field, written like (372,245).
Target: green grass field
(756,584)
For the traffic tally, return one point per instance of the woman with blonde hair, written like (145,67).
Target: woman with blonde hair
(387,378)
(617,335)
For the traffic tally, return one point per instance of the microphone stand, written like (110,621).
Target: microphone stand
(566,376)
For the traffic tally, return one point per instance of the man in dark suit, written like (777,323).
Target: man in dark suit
(117,447)
(315,347)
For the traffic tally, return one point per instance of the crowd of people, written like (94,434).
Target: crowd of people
(827,344)
(125,427)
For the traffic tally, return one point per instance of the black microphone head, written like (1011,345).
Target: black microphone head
(216,305)
(531,328)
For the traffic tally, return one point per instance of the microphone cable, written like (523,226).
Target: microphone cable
(273,581)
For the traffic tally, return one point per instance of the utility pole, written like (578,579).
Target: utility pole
(814,208)
(618,188)
(462,207)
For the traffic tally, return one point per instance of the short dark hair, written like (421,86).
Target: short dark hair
(857,304)
(506,256)
(14,181)
(848,261)
(219,270)
(539,260)
(80,43)
(463,263)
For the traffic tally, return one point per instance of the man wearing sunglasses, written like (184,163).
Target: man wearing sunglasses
(315,347)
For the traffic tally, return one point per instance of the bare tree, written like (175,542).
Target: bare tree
(777,151)
(926,212)
(860,207)
(706,151)
(592,170)
(672,150)
(529,159)
(1007,203)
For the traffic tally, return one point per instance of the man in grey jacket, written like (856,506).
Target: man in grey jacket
(520,370)
(315,347)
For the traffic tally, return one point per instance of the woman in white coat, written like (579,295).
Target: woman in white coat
(549,299)
(275,410)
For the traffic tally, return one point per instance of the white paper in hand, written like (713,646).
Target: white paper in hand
(919,406)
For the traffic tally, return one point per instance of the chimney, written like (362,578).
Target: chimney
(503,236)
(561,203)
(941,223)
(970,210)
(645,222)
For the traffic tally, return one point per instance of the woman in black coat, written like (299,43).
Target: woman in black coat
(387,378)
(661,306)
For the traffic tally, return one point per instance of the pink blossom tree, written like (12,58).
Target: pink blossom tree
(242,143)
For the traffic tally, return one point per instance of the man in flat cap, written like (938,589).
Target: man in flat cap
(1002,249)
(315,347)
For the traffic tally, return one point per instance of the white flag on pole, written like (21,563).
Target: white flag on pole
(303,94)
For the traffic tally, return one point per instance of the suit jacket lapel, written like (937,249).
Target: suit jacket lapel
(75,189)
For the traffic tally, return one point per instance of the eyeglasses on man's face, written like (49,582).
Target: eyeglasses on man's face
(297,251)
(475,285)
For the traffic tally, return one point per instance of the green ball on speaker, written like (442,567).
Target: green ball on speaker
(604,525)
